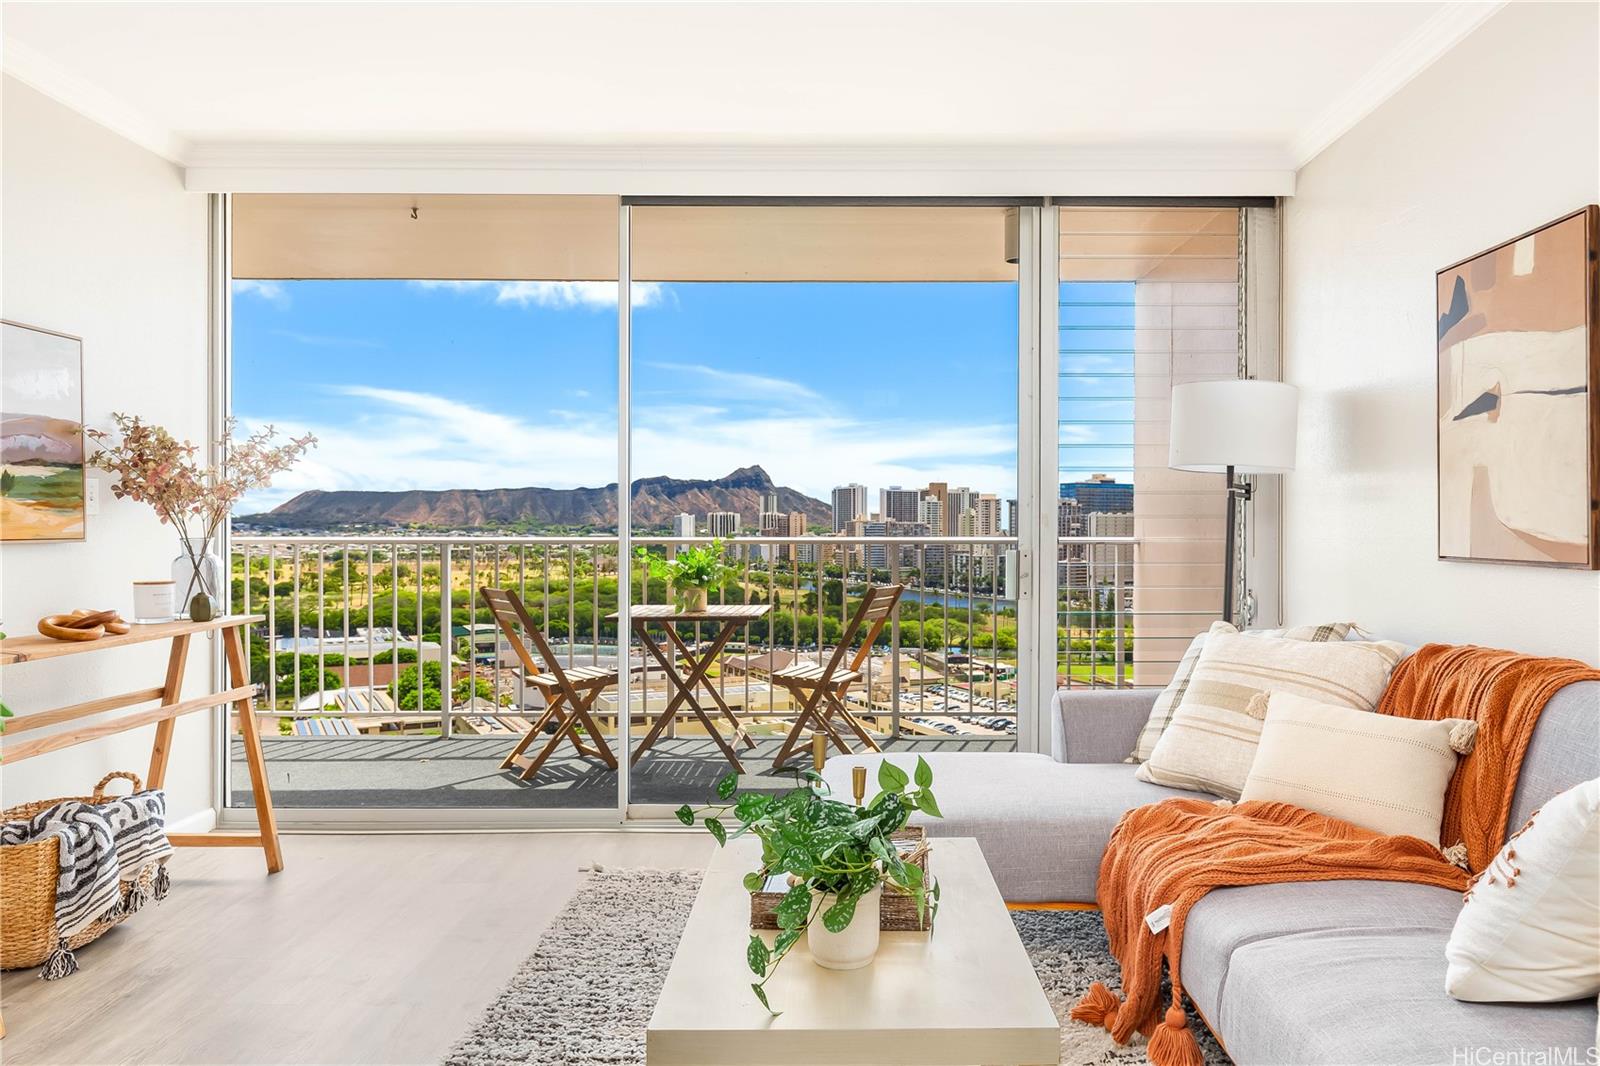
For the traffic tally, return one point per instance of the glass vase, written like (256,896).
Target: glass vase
(197,586)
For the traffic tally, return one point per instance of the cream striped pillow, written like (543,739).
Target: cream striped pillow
(1378,771)
(1211,740)
(1171,696)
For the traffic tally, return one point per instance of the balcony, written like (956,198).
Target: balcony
(385,683)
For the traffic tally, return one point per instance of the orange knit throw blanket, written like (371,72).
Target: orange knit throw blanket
(1505,692)
(1176,851)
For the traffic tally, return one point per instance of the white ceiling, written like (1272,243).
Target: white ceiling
(1271,81)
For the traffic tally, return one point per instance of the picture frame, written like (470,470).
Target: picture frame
(1518,399)
(43,484)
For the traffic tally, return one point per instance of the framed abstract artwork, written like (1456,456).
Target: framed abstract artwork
(41,434)
(1519,399)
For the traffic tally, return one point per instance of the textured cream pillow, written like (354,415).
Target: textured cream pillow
(1529,931)
(1170,697)
(1211,740)
(1380,772)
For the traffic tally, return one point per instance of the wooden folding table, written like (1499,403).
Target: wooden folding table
(17,651)
(729,617)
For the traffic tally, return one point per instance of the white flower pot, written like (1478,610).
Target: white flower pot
(856,945)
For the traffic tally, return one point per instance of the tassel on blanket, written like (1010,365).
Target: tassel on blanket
(1172,1044)
(138,896)
(61,963)
(163,882)
(1098,1006)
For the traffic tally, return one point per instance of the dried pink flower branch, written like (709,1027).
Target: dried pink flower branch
(154,467)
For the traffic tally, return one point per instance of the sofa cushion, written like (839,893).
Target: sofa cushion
(1043,825)
(1352,972)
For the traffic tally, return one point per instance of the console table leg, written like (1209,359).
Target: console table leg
(239,674)
(171,692)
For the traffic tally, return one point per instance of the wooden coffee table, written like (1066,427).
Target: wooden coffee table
(964,996)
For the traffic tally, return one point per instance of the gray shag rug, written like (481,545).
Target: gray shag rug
(584,997)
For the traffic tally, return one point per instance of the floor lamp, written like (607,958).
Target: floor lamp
(1233,427)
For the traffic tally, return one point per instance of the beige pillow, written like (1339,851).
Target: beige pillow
(1211,741)
(1380,772)
(1170,697)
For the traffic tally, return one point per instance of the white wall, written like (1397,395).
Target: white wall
(1500,136)
(100,240)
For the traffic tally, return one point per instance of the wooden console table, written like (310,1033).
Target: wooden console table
(16,651)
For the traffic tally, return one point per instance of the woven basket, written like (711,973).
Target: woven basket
(897,912)
(28,874)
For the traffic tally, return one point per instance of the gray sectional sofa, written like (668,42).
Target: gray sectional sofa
(1339,972)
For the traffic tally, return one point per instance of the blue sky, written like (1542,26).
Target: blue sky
(504,384)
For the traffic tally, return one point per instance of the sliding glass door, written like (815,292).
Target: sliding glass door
(829,393)
(965,399)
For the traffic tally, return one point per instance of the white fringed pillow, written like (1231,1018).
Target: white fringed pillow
(1377,771)
(1529,930)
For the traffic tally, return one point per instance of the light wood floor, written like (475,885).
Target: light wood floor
(366,949)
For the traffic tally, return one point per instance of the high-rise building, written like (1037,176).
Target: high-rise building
(956,502)
(682,526)
(896,504)
(932,515)
(772,524)
(1100,493)
(849,503)
(939,490)
(1110,564)
(987,507)
(794,525)
(769,503)
(722,524)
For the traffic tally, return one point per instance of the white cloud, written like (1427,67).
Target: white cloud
(712,381)
(394,439)
(589,295)
(271,291)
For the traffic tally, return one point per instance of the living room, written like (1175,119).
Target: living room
(1107,495)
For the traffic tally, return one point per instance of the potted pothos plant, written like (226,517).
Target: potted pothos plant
(690,574)
(839,857)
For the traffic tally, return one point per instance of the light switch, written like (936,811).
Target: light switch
(91,496)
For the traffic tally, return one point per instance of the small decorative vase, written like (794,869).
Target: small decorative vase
(856,945)
(693,599)
(197,586)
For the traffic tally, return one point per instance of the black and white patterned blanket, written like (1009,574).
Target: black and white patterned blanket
(101,845)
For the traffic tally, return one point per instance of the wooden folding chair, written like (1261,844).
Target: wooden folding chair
(820,689)
(568,692)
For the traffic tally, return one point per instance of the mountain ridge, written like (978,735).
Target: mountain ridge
(656,500)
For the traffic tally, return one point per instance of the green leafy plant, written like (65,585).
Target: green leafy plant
(698,566)
(831,849)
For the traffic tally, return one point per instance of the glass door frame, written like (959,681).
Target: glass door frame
(1037,270)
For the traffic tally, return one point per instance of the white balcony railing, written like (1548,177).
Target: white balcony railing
(387,635)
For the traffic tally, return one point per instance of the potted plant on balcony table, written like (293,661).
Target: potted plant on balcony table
(690,574)
(839,858)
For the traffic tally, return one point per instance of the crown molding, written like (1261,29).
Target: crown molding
(776,170)
(1414,54)
(90,100)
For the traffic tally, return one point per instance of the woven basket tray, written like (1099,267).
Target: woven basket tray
(897,912)
(28,874)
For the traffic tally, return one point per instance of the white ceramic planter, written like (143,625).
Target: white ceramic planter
(853,948)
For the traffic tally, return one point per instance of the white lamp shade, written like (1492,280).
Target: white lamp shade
(1248,425)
